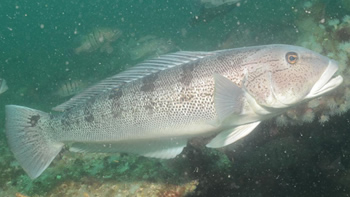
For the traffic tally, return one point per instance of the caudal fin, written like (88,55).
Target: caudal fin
(28,136)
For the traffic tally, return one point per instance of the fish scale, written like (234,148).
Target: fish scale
(154,108)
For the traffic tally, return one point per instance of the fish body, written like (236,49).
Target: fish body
(3,86)
(149,46)
(69,88)
(154,108)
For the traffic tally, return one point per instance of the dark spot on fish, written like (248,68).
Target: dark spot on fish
(104,116)
(149,108)
(115,94)
(116,110)
(33,120)
(228,61)
(148,82)
(186,76)
(222,58)
(88,115)
(186,97)
(67,119)
(90,102)
(89,118)
(65,122)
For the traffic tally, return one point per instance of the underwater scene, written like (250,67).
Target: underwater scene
(137,98)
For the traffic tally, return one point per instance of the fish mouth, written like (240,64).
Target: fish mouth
(327,81)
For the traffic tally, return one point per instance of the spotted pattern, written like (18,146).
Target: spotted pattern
(171,99)
(115,94)
(148,83)
(33,120)
(187,73)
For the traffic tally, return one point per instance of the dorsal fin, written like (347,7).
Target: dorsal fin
(139,71)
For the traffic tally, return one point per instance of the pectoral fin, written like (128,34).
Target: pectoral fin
(229,136)
(227,97)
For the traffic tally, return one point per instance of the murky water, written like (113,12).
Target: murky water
(51,51)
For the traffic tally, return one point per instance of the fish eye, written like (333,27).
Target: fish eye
(292,57)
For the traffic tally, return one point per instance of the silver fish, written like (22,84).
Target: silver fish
(154,108)
(3,86)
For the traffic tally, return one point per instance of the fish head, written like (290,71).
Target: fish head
(287,75)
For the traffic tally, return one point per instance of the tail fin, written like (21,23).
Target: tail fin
(28,136)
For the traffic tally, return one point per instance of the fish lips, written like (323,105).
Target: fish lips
(327,81)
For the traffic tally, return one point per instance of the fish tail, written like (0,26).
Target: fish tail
(28,137)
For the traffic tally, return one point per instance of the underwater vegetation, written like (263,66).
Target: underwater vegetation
(303,152)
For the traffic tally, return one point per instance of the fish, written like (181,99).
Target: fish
(149,46)
(3,86)
(70,88)
(216,3)
(209,10)
(155,107)
(98,39)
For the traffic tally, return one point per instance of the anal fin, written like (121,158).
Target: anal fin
(157,148)
(231,135)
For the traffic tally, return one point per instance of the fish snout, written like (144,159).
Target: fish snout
(327,81)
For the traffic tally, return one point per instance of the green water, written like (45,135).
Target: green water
(38,38)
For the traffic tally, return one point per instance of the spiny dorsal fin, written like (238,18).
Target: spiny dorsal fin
(137,72)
